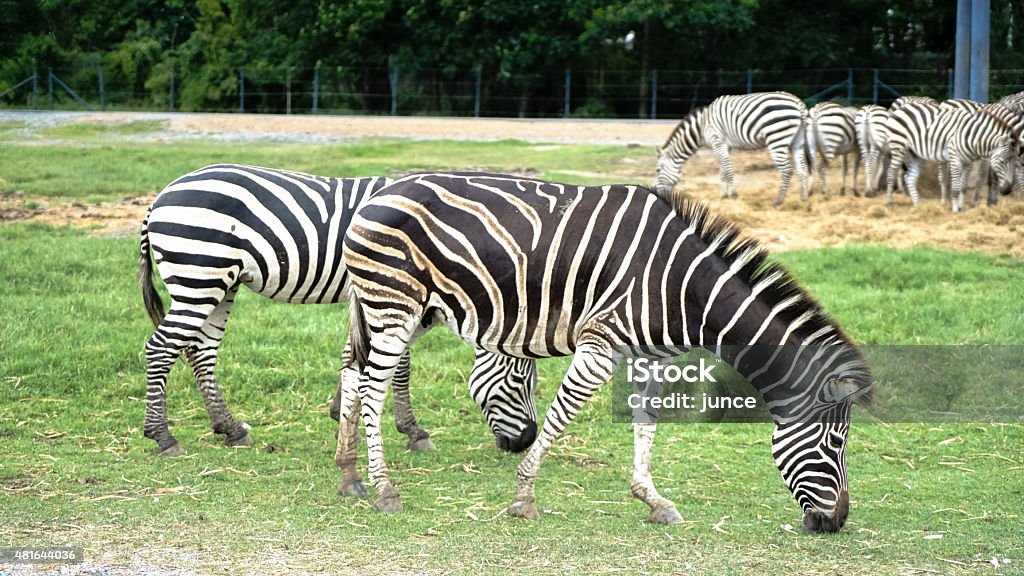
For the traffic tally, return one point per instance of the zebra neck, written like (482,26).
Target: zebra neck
(770,331)
(687,139)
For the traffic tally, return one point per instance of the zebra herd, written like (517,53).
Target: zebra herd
(954,134)
(521,269)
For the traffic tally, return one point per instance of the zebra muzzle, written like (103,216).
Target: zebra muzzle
(821,521)
(524,441)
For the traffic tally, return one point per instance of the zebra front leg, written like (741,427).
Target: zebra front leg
(405,420)
(959,172)
(725,172)
(591,366)
(348,437)
(944,180)
(913,173)
(203,359)
(663,510)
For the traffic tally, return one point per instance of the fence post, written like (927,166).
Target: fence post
(874,88)
(316,88)
(35,89)
(393,77)
(949,83)
(170,89)
(750,80)
(849,86)
(103,101)
(241,90)
(568,92)
(288,92)
(476,94)
(654,94)
(49,82)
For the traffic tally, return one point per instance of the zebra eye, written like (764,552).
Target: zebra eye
(836,440)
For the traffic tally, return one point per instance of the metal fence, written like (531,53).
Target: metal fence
(588,93)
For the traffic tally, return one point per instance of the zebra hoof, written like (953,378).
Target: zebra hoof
(667,515)
(524,509)
(244,440)
(421,445)
(388,503)
(354,489)
(172,451)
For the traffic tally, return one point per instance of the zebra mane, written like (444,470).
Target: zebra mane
(1000,120)
(692,116)
(732,245)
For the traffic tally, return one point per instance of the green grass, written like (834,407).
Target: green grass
(92,163)
(75,468)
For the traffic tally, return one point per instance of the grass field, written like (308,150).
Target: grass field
(75,468)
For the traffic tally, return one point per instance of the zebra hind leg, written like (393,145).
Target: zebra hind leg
(405,420)
(203,359)
(161,354)
(348,438)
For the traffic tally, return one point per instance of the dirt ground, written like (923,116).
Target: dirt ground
(822,221)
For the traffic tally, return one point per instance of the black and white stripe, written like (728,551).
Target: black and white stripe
(773,120)
(279,233)
(873,140)
(531,269)
(831,132)
(925,132)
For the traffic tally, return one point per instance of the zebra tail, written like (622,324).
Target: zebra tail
(819,142)
(150,297)
(358,333)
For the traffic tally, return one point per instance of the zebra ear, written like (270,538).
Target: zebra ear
(657,150)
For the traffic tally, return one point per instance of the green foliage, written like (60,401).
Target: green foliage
(519,45)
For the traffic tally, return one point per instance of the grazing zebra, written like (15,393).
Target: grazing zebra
(279,233)
(1012,115)
(772,120)
(1013,101)
(537,269)
(981,135)
(873,140)
(831,132)
(925,132)
(914,137)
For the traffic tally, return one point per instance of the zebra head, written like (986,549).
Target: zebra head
(811,455)
(668,173)
(504,388)
(684,141)
(1004,161)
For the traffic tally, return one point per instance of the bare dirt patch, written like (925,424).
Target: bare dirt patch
(822,221)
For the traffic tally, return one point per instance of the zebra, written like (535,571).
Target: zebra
(772,120)
(981,135)
(279,233)
(873,140)
(533,269)
(831,132)
(920,132)
(1013,101)
(915,138)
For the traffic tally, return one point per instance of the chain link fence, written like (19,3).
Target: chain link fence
(586,93)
